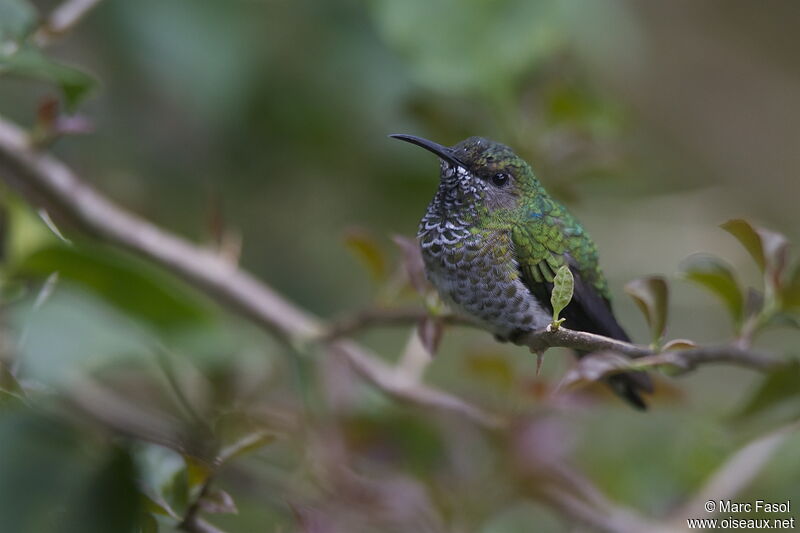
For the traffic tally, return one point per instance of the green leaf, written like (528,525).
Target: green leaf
(365,248)
(563,285)
(718,277)
(778,386)
(197,472)
(17,19)
(769,249)
(56,479)
(29,63)
(746,234)
(133,286)
(110,499)
(651,295)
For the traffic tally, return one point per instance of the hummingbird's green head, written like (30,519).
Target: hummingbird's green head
(482,171)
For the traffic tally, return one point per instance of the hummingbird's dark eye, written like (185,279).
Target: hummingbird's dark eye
(500,179)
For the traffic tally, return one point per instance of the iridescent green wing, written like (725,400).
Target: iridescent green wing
(546,239)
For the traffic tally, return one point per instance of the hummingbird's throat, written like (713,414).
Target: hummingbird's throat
(459,181)
(459,196)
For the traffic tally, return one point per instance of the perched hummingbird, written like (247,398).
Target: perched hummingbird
(492,240)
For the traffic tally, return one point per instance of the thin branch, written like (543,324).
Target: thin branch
(62,19)
(398,384)
(690,359)
(44,180)
(543,339)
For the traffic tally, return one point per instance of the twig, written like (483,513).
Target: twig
(400,386)
(579,340)
(692,358)
(62,19)
(562,337)
(43,179)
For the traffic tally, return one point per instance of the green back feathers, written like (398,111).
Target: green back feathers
(544,233)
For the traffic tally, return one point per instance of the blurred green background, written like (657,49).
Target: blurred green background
(266,122)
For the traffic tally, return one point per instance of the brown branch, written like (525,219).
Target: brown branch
(398,385)
(731,354)
(541,340)
(44,180)
(687,359)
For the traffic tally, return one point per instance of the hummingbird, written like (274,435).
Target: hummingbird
(492,240)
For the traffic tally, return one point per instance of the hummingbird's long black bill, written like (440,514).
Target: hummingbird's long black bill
(442,151)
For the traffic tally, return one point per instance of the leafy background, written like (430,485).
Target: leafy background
(262,125)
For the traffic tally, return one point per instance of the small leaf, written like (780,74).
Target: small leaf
(365,248)
(17,19)
(769,249)
(130,284)
(430,331)
(218,502)
(778,386)
(748,237)
(651,294)
(678,344)
(197,472)
(31,64)
(718,277)
(563,285)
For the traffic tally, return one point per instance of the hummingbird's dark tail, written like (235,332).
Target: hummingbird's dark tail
(629,385)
